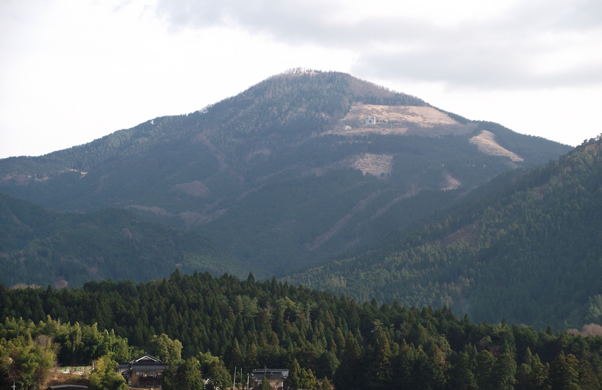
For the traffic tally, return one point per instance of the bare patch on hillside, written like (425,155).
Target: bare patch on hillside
(252,155)
(379,165)
(469,234)
(398,120)
(21,286)
(486,144)
(61,283)
(127,233)
(449,183)
(158,211)
(191,218)
(587,330)
(195,189)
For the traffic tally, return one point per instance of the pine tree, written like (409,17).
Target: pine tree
(169,381)
(504,371)
(485,362)
(190,375)
(383,359)
(461,377)
(251,358)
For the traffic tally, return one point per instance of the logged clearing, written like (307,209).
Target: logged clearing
(423,116)
(486,144)
(398,120)
(450,183)
(378,165)
(195,189)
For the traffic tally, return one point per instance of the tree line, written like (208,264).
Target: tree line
(226,322)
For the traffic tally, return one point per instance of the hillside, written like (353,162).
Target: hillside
(526,247)
(43,247)
(297,168)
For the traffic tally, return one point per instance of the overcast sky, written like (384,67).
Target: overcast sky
(72,71)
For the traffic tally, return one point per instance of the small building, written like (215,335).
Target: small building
(143,371)
(370,120)
(275,376)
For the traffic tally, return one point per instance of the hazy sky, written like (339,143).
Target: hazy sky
(75,70)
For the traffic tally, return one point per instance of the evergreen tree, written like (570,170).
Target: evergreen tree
(191,377)
(461,376)
(169,381)
(383,359)
(504,371)
(251,358)
(484,371)
(265,385)
(235,358)
(564,374)
(587,378)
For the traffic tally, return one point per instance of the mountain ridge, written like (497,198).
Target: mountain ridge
(268,172)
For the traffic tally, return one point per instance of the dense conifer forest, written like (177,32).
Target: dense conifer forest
(221,323)
(43,247)
(526,246)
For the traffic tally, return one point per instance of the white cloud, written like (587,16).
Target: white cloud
(74,71)
(537,44)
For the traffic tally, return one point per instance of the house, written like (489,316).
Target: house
(275,376)
(143,371)
(370,120)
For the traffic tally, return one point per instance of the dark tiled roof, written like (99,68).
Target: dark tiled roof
(149,367)
(145,357)
(270,373)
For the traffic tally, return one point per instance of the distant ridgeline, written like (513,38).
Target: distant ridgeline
(527,246)
(315,334)
(286,173)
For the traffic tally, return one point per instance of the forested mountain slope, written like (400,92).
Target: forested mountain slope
(530,251)
(293,170)
(43,247)
(315,334)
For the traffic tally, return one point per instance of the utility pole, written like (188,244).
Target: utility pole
(234,381)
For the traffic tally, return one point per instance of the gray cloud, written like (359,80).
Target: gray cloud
(503,53)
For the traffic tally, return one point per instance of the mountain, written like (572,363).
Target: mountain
(43,247)
(527,247)
(297,168)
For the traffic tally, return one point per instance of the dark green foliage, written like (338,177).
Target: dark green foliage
(285,326)
(42,247)
(526,247)
(190,375)
(166,349)
(105,376)
(265,385)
